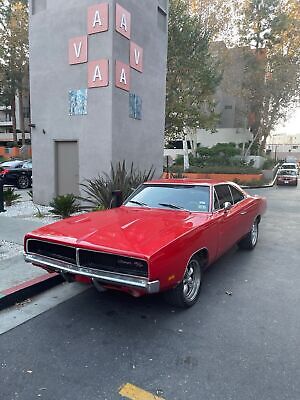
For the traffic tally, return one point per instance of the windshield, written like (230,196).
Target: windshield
(287,172)
(27,165)
(289,166)
(175,197)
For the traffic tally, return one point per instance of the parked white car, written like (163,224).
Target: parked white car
(291,166)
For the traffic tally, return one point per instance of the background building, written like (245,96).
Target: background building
(233,125)
(282,145)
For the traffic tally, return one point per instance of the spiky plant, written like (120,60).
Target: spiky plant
(10,197)
(99,190)
(64,205)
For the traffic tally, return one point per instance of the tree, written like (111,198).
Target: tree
(13,55)
(270,31)
(217,17)
(192,74)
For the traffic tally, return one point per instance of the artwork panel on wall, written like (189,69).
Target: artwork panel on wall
(135,106)
(78,101)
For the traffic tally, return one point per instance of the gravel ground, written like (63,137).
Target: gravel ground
(9,249)
(27,210)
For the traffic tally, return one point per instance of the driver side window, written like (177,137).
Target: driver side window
(224,194)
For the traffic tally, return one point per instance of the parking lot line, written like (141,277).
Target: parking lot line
(135,393)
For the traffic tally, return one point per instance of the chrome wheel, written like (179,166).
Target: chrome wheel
(186,293)
(192,280)
(250,240)
(254,233)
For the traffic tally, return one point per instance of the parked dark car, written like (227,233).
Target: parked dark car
(17,173)
(287,177)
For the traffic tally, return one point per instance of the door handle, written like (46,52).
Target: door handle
(243,212)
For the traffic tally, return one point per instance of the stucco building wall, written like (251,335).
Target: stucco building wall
(107,133)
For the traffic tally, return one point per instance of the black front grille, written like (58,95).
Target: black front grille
(55,251)
(113,263)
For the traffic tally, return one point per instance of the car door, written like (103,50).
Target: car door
(229,229)
(243,208)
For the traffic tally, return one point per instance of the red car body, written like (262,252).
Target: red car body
(141,249)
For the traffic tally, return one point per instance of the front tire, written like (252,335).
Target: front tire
(187,292)
(250,240)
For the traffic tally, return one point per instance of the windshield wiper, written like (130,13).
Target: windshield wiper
(171,206)
(138,203)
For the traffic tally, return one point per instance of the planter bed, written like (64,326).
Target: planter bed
(221,177)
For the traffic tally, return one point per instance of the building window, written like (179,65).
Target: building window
(228,107)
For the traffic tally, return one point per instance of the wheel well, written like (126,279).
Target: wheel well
(258,218)
(203,255)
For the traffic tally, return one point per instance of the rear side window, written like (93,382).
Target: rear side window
(236,194)
(224,194)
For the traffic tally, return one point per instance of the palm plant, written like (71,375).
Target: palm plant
(99,190)
(10,197)
(64,205)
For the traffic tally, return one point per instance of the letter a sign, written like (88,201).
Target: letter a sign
(78,50)
(123,21)
(97,18)
(122,76)
(98,73)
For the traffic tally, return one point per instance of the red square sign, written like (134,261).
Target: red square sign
(122,76)
(123,21)
(98,18)
(136,57)
(78,50)
(98,73)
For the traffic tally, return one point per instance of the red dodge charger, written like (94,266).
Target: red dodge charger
(159,240)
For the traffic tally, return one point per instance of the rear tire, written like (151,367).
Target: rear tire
(187,292)
(250,240)
(23,182)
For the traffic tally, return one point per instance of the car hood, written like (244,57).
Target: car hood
(129,231)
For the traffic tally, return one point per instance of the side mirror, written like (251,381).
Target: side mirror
(227,206)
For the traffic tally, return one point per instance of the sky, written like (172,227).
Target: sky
(292,125)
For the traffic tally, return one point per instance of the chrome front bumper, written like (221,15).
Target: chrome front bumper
(105,277)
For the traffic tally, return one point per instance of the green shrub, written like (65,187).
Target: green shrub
(178,160)
(64,205)
(220,154)
(269,164)
(99,190)
(218,169)
(10,197)
(252,182)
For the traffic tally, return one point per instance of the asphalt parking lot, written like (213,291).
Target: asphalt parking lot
(239,342)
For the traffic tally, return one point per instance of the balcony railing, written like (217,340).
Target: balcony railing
(6,123)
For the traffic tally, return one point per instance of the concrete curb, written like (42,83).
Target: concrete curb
(271,184)
(25,290)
